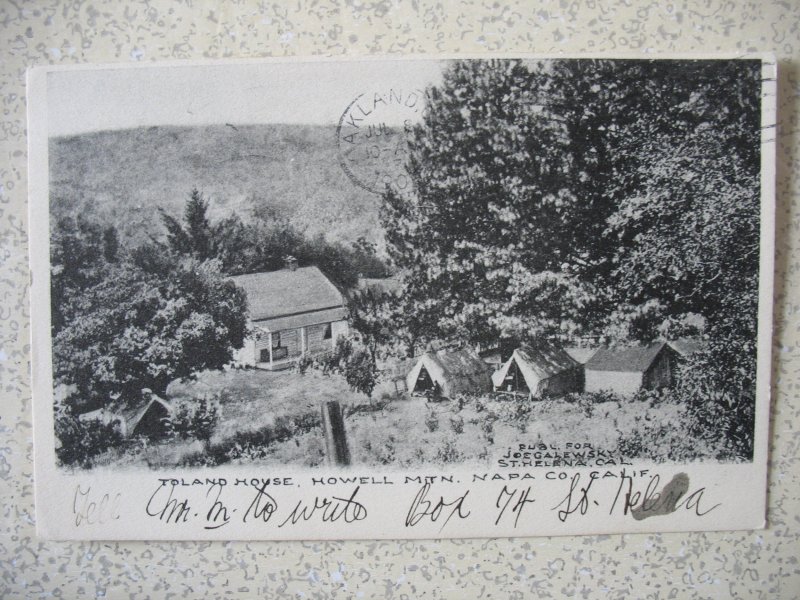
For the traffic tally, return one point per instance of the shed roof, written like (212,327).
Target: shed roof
(132,410)
(632,359)
(288,292)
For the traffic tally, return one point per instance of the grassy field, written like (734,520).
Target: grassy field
(274,419)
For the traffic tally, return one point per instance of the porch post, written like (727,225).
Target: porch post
(269,335)
(302,341)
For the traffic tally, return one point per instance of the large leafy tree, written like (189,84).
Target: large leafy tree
(81,253)
(523,219)
(144,327)
(471,236)
(612,199)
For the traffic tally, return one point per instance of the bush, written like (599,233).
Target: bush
(432,421)
(457,425)
(448,454)
(83,440)
(354,362)
(360,372)
(195,419)
(304,363)
(254,444)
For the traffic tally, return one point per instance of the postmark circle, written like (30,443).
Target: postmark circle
(372,138)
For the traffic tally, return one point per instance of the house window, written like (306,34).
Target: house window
(276,340)
(328,333)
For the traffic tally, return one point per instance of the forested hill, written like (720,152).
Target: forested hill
(120,177)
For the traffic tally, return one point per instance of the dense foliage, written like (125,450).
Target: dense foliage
(81,441)
(351,359)
(607,200)
(264,242)
(195,419)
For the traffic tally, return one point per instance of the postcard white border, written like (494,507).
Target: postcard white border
(740,489)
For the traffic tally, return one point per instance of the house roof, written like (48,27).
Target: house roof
(328,315)
(288,292)
(632,359)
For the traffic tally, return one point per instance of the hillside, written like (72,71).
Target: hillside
(121,177)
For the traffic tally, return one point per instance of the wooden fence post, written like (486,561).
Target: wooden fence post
(335,436)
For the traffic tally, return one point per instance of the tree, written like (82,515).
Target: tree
(611,199)
(194,236)
(81,253)
(370,317)
(263,245)
(526,176)
(485,240)
(137,329)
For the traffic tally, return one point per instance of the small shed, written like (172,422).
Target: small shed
(627,370)
(144,416)
(537,371)
(455,371)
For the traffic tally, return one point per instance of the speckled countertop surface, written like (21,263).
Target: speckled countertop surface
(760,564)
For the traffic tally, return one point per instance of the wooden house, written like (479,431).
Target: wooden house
(294,311)
(451,371)
(537,371)
(627,370)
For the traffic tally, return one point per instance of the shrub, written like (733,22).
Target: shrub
(304,363)
(457,425)
(83,440)
(448,454)
(195,419)
(360,372)
(432,421)
(354,362)
(254,444)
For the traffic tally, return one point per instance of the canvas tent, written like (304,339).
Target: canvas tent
(580,354)
(627,370)
(538,371)
(454,371)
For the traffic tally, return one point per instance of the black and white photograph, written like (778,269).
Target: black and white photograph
(485,265)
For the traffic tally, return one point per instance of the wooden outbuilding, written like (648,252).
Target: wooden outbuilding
(627,370)
(451,371)
(142,416)
(537,371)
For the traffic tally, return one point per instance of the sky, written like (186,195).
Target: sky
(114,97)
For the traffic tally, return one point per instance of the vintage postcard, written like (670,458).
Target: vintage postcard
(401,298)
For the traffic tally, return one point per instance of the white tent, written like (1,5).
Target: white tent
(540,370)
(455,371)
